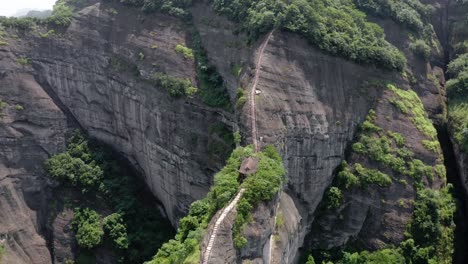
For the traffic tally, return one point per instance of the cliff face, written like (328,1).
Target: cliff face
(93,69)
(32,127)
(309,106)
(90,72)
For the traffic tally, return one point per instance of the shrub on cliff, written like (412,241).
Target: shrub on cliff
(176,86)
(333,198)
(457,89)
(116,230)
(413,14)
(66,168)
(62,14)
(87,226)
(420,48)
(134,228)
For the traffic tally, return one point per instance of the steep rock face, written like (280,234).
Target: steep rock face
(289,235)
(32,128)
(97,67)
(309,106)
(377,216)
(226,47)
(224,250)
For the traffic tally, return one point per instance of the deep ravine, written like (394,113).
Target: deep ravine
(453,177)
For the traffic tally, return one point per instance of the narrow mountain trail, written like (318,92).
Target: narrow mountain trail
(253,115)
(219,221)
(253,119)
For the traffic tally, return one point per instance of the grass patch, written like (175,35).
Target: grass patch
(432,145)
(47,34)
(236,70)
(186,52)
(23,61)
(409,103)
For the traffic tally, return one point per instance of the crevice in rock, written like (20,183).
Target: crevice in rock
(461,232)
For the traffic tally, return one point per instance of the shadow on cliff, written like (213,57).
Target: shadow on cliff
(461,232)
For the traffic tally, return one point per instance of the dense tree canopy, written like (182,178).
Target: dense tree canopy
(334,26)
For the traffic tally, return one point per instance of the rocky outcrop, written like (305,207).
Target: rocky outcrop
(32,127)
(377,216)
(97,69)
(289,233)
(309,107)
(95,73)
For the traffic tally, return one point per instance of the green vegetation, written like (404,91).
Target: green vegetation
(134,228)
(333,198)
(3,105)
(432,226)
(279,220)
(390,151)
(237,138)
(80,171)
(3,43)
(47,34)
(222,147)
(433,145)
(112,11)
(241,98)
(177,8)
(2,251)
(61,16)
(62,13)
(409,103)
(212,88)
(141,56)
(458,65)
(336,27)
(310,260)
(176,86)
(358,176)
(260,186)
(420,48)
(87,226)
(23,61)
(412,14)
(457,90)
(120,64)
(185,248)
(236,70)
(429,235)
(25,23)
(19,107)
(186,52)
(115,228)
